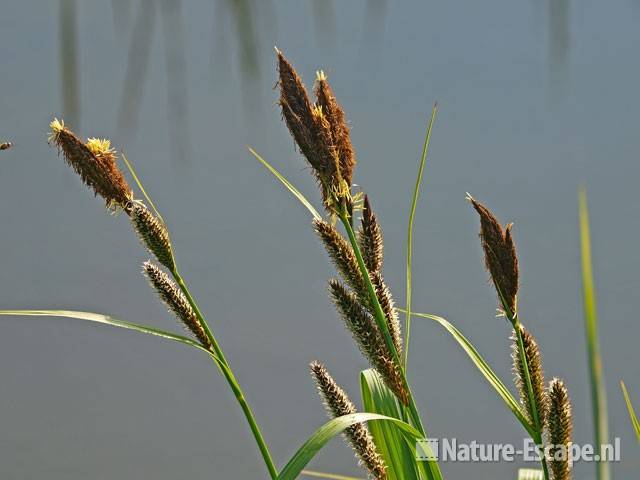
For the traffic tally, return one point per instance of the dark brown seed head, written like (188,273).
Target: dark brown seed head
(152,232)
(499,256)
(370,239)
(343,257)
(559,430)
(368,337)
(95,162)
(338,404)
(388,307)
(312,132)
(175,301)
(334,113)
(536,374)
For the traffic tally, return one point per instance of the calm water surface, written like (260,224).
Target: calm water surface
(536,98)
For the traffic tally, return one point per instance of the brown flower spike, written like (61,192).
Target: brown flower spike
(334,114)
(499,256)
(559,430)
(338,404)
(367,335)
(152,232)
(320,132)
(370,238)
(175,300)
(536,374)
(95,162)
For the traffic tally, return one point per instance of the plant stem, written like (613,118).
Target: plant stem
(379,316)
(537,437)
(230,377)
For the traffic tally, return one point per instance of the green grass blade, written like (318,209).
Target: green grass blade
(105,320)
(484,368)
(598,392)
(530,474)
(329,476)
(326,432)
(412,214)
(286,183)
(389,440)
(632,413)
(133,173)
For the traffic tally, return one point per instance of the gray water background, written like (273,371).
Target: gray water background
(536,98)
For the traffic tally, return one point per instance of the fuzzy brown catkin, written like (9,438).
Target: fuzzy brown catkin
(335,115)
(388,307)
(368,337)
(499,255)
(343,257)
(536,374)
(338,404)
(97,168)
(370,238)
(152,232)
(175,301)
(309,128)
(559,429)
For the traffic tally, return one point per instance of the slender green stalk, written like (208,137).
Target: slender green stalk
(379,314)
(537,436)
(598,391)
(230,377)
(412,214)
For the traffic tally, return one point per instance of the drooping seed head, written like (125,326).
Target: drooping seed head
(152,233)
(536,374)
(368,337)
(559,430)
(343,257)
(175,301)
(370,238)
(338,404)
(334,114)
(388,307)
(95,162)
(499,256)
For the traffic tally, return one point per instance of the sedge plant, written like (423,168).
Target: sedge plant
(383,436)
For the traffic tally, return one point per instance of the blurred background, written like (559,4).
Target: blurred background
(536,98)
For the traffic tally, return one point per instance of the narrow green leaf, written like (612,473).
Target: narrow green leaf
(286,183)
(484,368)
(326,432)
(632,413)
(389,440)
(133,173)
(105,320)
(330,476)
(530,474)
(412,214)
(598,391)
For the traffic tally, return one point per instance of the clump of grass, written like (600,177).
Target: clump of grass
(362,298)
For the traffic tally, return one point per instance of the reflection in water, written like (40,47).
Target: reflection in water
(374,23)
(171,11)
(69,69)
(558,43)
(121,11)
(137,66)
(324,16)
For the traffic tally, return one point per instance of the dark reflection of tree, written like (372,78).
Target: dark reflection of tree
(559,42)
(137,66)
(177,100)
(69,68)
